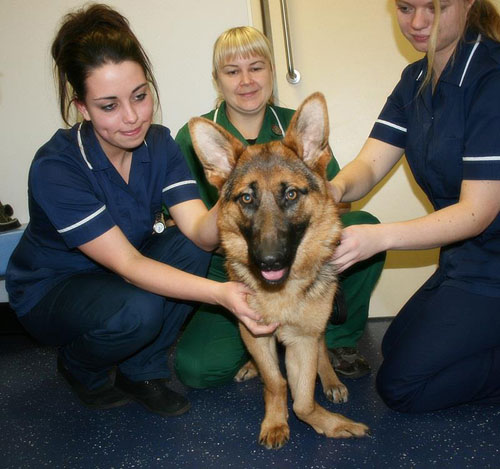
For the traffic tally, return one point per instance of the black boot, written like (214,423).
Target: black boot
(104,397)
(153,394)
(348,362)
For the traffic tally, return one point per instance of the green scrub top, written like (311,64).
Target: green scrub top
(276,120)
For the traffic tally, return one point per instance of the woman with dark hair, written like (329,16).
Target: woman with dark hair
(96,272)
(443,348)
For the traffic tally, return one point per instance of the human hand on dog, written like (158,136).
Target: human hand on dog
(357,243)
(336,194)
(335,191)
(234,298)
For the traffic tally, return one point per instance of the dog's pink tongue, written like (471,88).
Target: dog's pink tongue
(273,275)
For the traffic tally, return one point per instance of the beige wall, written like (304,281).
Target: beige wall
(354,53)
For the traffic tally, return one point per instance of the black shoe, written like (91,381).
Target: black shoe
(153,394)
(348,362)
(105,397)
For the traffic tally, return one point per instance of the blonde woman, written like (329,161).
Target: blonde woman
(211,352)
(443,348)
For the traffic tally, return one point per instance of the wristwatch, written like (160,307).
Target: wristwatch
(159,224)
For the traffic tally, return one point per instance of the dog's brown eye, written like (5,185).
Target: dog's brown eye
(246,199)
(291,194)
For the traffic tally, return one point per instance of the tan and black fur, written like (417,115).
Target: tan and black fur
(279,227)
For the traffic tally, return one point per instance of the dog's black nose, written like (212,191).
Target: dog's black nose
(271,262)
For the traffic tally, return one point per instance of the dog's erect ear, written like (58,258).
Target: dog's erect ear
(308,133)
(216,148)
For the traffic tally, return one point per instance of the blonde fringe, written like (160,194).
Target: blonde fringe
(244,41)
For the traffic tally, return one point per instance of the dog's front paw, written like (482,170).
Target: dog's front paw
(348,429)
(274,437)
(337,393)
(246,372)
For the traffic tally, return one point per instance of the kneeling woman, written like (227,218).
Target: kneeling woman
(211,352)
(88,274)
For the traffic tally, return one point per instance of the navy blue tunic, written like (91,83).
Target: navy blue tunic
(75,195)
(449,136)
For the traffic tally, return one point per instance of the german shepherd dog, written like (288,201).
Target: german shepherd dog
(279,227)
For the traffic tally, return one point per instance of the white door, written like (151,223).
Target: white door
(354,53)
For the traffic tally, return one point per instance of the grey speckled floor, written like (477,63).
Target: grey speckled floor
(43,425)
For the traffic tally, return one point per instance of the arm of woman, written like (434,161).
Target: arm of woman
(113,251)
(477,207)
(197,223)
(357,178)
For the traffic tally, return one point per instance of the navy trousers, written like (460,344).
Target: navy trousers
(100,320)
(442,350)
